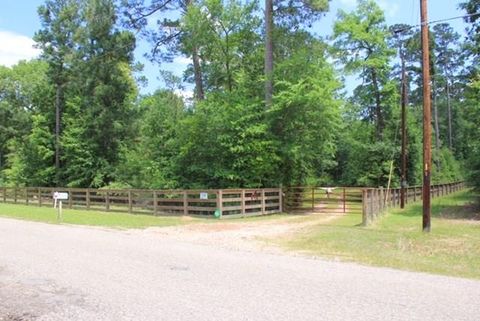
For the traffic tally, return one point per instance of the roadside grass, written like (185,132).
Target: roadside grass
(396,240)
(114,219)
(91,217)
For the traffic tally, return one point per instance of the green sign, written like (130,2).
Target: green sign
(217,213)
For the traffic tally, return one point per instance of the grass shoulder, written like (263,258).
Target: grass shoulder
(114,219)
(90,217)
(396,240)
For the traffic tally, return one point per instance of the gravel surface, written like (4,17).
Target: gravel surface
(60,272)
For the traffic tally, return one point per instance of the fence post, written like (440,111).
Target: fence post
(313,199)
(15,194)
(129,201)
(40,197)
(155,202)
(220,202)
(382,202)
(70,198)
(364,207)
(344,201)
(280,200)
(87,198)
(242,202)
(26,195)
(4,194)
(263,201)
(107,201)
(185,203)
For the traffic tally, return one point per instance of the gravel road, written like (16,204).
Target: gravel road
(60,272)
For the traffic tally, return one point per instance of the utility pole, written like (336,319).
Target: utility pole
(427,129)
(404,131)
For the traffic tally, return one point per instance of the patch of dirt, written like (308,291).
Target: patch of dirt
(246,236)
(469,213)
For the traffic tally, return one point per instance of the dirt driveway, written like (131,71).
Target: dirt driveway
(255,235)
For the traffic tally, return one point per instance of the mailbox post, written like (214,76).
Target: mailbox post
(58,197)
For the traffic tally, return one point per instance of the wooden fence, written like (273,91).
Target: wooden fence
(230,202)
(314,199)
(375,201)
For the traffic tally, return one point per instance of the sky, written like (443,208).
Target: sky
(19,21)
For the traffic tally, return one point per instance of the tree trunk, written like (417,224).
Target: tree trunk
(197,70)
(435,122)
(449,110)
(58,111)
(378,107)
(268,53)
(435,116)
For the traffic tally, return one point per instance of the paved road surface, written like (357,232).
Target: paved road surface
(52,272)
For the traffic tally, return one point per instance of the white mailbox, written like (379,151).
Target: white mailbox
(60,196)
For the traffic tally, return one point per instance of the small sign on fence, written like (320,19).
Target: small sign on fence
(203,196)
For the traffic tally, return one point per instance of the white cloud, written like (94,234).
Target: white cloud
(15,47)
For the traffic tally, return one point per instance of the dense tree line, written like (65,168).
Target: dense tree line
(269,108)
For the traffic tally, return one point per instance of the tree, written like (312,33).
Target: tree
(167,34)
(306,116)
(149,160)
(448,64)
(470,108)
(100,98)
(472,8)
(291,14)
(360,39)
(30,158)
(24,91)
(60,21)
(226,38)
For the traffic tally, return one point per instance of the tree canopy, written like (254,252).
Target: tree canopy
(271,106)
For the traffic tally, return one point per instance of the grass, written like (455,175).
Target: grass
(112,219)
(396,240)
(92,218)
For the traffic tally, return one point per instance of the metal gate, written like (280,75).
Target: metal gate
(322,200)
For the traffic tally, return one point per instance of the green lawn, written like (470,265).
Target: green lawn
(396,240)
(93,218)
(112,219)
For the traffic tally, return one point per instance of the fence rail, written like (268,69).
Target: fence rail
(375,201)
(230,202)
(314,199)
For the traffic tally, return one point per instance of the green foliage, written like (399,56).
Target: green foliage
(224,34)
(30,161)
(310,134)
(23,90)
(149,160)
(225,143)
(361,45)
(305,117)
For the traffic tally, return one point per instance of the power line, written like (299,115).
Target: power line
(436,21)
